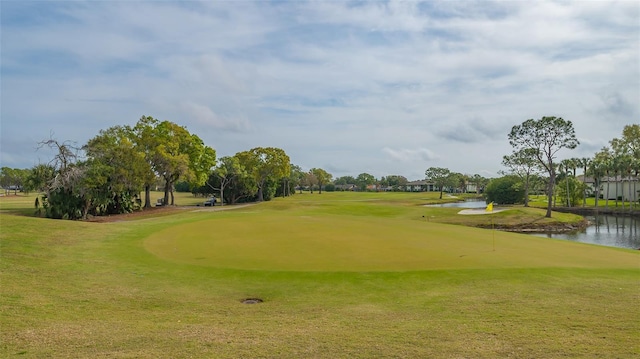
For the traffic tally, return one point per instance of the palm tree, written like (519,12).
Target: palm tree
(603,166)
(636,166)
(595,170)
(616,168)
(626,167)
(568,164)
(585,162)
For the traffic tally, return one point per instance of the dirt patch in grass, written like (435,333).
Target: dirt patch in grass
(146,213)
(162,211)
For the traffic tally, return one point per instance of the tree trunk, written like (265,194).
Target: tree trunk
(320,188)
(616,182)
(606,200)
(552,180)
(526,191)
(568,194)
(260,195)
(584,187)
(147,196)
(596,184)
(167,185)
(629,191)
(222,194)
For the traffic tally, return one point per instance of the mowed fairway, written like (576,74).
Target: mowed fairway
(281,241)
(342,275)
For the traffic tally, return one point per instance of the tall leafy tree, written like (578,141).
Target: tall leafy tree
(523,163)
(585,163)
(626,151)
(439,176)
(568,165)
(546,137)
(116,169)
(601,167)
(265,165)
(13,178)
(39,177)
(323,177)
(292,181)
(479,182)
(146,142)
(344,180)
(396,181)
(364,180)
(226,172)
(310,180)
(179,154)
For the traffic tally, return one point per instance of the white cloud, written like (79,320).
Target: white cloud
(428,82)
(411,155)
(203,115)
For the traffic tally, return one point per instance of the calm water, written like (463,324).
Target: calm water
(612,231)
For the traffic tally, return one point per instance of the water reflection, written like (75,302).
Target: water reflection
(606,230)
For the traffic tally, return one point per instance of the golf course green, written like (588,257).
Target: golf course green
(338,275)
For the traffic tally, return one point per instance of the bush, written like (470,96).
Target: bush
(576,191)
(505,190)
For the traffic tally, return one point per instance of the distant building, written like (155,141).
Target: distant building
(626,188)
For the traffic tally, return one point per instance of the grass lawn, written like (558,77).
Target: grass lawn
(342,275)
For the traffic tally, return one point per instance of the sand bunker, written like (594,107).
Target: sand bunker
(479,211)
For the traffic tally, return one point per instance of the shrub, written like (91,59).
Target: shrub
(576,191)
(505,190)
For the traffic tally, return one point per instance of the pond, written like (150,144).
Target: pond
(605,230)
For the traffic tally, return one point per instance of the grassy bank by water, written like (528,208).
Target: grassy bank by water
(341,276)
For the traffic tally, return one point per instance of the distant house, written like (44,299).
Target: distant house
(625,187)
(346,187)
(421,186)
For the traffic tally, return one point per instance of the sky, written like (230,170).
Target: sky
(382,87)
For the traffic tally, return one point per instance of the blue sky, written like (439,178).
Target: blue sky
(390,87)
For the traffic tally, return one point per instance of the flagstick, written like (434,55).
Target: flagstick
(493,233)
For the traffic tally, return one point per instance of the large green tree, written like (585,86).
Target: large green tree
(266,165)
(146,142)
(522,163)
(227,171)
(178,154)
(116,170)
(289,183)
(545,137)
(364,180)
(396,182)
(13,178)
(626,152)
(439,176)
(323,177)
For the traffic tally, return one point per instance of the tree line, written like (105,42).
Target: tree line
(534,162)
(108,174)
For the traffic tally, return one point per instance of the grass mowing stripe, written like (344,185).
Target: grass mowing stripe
(277,241)
(76,290)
